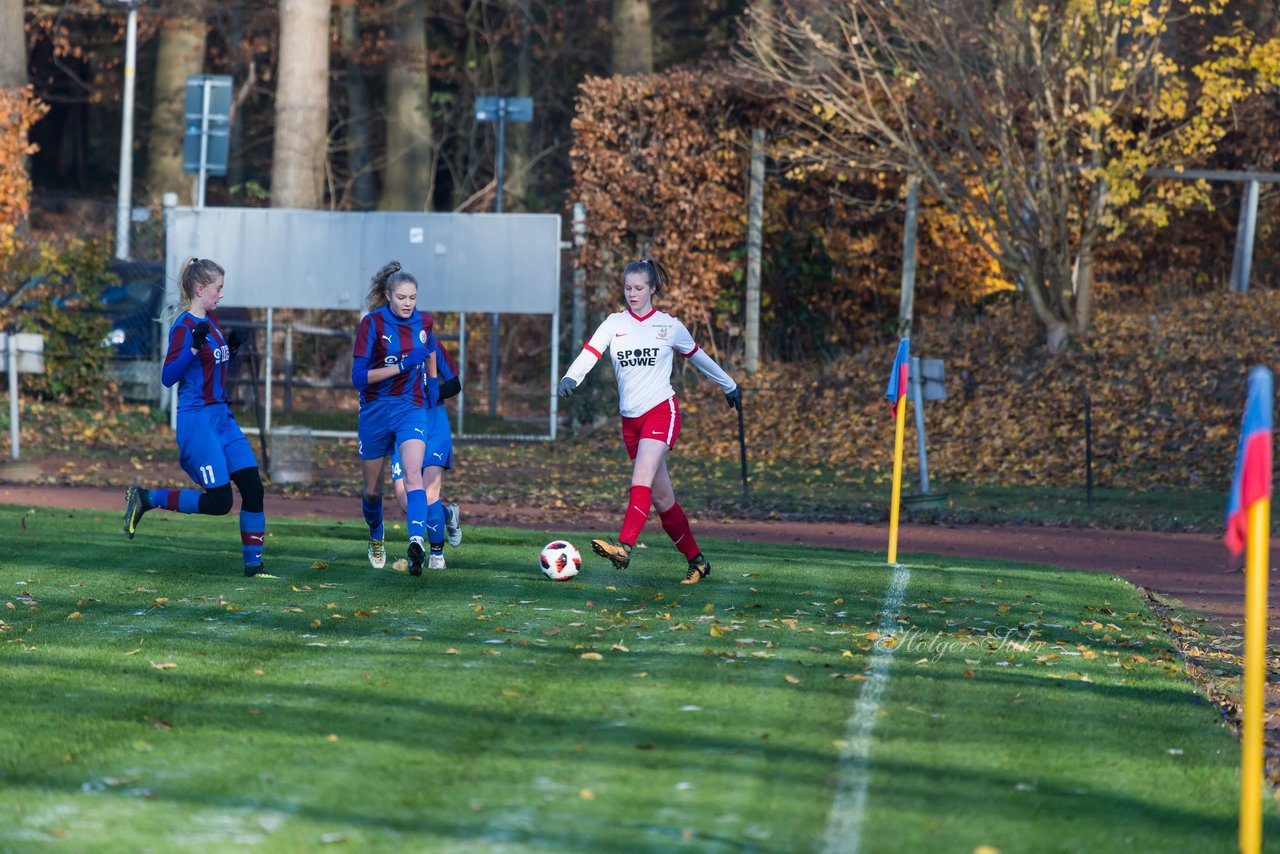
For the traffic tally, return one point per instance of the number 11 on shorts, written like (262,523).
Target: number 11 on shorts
(206,475)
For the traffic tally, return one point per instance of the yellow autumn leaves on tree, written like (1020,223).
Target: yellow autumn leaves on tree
(19,110)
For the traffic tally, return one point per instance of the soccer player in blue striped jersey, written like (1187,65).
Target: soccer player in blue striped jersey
(212,449)
(443,521)
(391,348)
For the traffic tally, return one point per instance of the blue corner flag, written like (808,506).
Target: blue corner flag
(897,389)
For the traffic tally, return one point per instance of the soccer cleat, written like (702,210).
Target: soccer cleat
(256,571)
(377,554)
(416,554)
(618,554)
(136,502)
(698,570)
(435,560)
(453,524)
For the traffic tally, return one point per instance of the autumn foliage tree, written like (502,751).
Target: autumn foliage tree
(1034,123)
(19,110)
(655,163)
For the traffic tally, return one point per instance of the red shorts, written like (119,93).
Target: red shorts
(661,423)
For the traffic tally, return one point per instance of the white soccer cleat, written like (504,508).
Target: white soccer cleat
(453,524)
(377,554)
(435,560)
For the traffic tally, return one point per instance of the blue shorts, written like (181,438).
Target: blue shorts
(385,425)
(439,444)
(211,445)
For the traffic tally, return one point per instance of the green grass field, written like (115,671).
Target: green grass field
(157,700)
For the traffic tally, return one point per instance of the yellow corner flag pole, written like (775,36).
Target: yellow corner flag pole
(900,420)
(1255,675)
(1248,529)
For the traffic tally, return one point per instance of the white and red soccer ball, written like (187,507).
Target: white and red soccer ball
(559,560)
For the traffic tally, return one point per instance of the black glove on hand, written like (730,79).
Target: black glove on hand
(734,397)
(235,340)
(566,387)
(199,334)
(413,359)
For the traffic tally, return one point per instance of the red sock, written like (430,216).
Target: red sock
(637,513)
(676,524)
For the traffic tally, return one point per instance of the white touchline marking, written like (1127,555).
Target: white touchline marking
(844,824)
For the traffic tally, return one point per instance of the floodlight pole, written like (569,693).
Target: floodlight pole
(493,329)
(124,195)
(501,110)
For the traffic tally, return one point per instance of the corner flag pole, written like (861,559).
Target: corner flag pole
(1255,676)
(900,420)
(1248,529)
(896,393)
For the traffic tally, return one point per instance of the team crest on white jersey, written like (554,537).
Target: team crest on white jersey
(662,331)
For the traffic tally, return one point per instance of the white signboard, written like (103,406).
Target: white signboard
(30,352)
(278,258)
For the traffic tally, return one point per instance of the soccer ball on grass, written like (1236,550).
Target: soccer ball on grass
(559,560)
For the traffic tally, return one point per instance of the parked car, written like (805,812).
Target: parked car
(133,306)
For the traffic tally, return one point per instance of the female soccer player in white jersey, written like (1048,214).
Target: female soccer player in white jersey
(642,340)
(212,449)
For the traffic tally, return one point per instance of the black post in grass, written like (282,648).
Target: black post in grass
(742,447)
(251,359)
(1088,450)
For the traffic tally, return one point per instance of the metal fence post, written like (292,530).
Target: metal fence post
(916,381)
(11,356)
(1242,258)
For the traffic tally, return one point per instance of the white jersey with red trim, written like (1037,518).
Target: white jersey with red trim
(641,348)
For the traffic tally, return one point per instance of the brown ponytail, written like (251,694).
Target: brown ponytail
(654,272)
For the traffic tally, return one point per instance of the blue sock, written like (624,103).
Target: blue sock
(435,525)
(416,515)
(372,516)
(253,528)
(177,500)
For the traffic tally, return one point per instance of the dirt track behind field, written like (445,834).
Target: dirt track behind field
(1192,568)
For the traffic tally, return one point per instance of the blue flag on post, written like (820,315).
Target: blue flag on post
(897,389)
(1252,478)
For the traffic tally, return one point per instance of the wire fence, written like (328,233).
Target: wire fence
(300,362)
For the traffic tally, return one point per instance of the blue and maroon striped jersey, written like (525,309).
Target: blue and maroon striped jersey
(446,370)
(384,339)
(202,377)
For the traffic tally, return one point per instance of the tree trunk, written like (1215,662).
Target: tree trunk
(763,11)
(359,153)
(755,244)
(13,46)
(239,68)
(517,173)
(1084,290)
(302,105)
(632,37)
(180,53)
(408,181)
